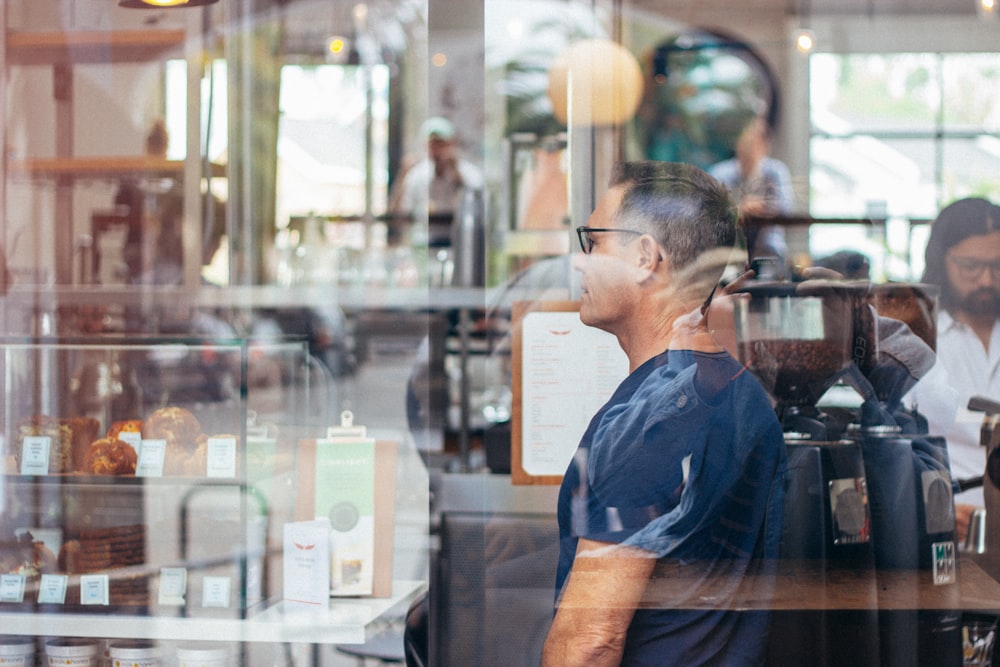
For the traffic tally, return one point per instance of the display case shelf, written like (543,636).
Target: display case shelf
(347,621)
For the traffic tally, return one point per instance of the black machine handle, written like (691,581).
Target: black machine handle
(983,404)
(969,483)
(990,407)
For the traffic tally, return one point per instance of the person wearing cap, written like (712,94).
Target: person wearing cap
(433,187)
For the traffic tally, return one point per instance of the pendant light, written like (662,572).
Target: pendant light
(163,4)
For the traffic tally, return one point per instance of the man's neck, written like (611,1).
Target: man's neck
(684,331)
(981,325)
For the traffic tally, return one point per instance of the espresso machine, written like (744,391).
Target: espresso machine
(867,489)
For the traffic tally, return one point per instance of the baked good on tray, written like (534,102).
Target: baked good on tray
(23,555)
(181,430)
(60,441)
(111,456)
(83,431)
(126,426)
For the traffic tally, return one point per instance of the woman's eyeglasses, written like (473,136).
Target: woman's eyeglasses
(587,240)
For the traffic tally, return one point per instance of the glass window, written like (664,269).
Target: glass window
(321,137)
(872,93)
(900,135)
(323,144)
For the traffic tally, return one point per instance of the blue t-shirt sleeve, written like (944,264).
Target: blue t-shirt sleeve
(694,420)
(637,450)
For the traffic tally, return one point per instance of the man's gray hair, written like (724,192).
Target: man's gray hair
(687,211)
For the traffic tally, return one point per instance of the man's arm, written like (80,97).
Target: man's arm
(598,601)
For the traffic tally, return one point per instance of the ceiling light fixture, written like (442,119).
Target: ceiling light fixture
(161,4)
(987,9)
(805,38)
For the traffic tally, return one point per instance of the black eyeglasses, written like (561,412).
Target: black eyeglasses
(970,268)
(587,241)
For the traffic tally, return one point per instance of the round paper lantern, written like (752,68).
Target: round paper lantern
(595,82)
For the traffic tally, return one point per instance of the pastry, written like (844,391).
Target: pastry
(69,557)
(111,456)
(127,426)
(60,441)
(23,555)
(182,433)
(83,431)
(179,427)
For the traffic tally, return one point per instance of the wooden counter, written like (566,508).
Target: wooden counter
(807,586)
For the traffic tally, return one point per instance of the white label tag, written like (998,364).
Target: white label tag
(221,457)
(52,589)
(94,589)
(151,457)
(11,588)
(173,585)
(215,592)
(133,438)
(35,455)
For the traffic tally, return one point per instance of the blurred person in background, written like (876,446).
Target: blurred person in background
(760,185)
(963,258)
(433,185)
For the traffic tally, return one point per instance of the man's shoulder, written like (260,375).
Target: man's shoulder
(724,169)
(472,175)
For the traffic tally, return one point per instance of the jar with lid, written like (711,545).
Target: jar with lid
(72,652)
(17,651)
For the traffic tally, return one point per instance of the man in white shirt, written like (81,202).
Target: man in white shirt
(963,259)
(434,185)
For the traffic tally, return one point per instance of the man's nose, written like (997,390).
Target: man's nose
(578,260)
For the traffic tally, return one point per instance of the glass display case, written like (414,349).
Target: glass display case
(142,474)
(152,477)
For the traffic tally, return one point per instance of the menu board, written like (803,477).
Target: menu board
(563,372)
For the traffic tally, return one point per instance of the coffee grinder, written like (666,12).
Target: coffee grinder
(796,338)
(909,479)
(868,488)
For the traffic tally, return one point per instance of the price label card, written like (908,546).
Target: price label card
(52,589)
(221,456)
(131,437)
(215,592)
(11,588)
(152,454)
(35,455)
(173,585)
(94,589)
(307,563)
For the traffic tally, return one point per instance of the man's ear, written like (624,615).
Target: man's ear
(649,253)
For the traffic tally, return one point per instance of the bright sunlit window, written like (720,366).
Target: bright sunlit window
(900,136)
(322,144)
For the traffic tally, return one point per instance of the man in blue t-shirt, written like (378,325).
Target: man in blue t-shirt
(679,477)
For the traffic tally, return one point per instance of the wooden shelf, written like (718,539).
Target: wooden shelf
(94,167)
(73,48)
(101,167)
